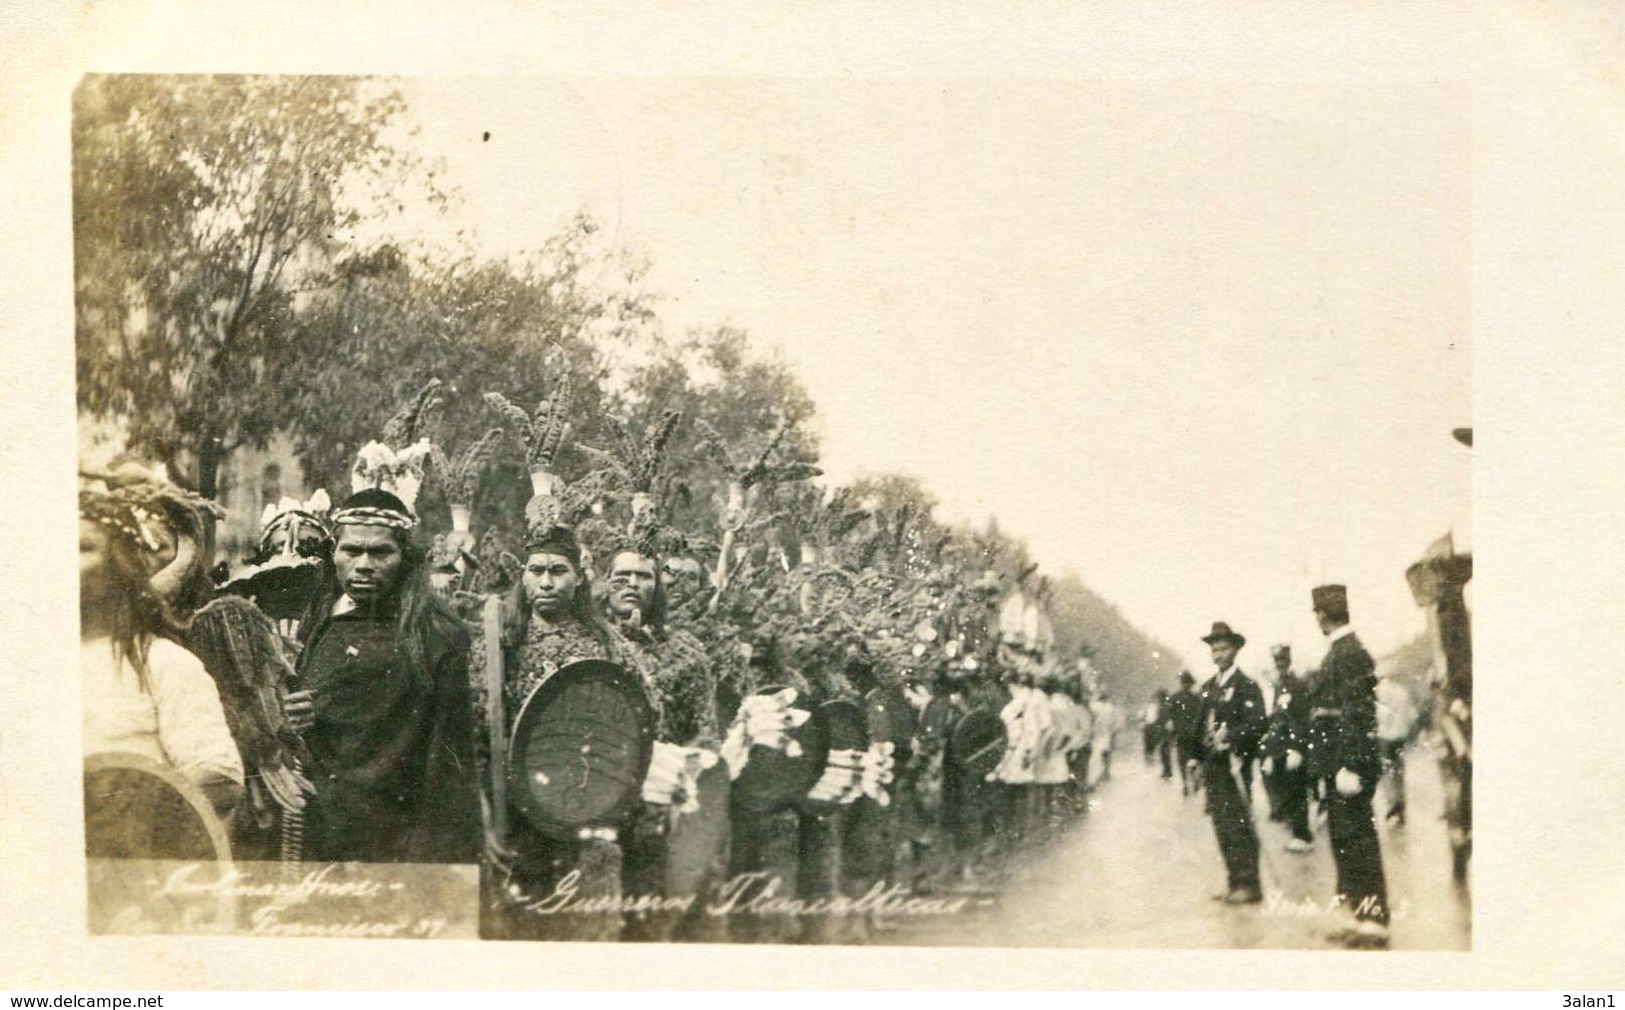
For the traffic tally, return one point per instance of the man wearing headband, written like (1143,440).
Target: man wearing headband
(386,713)
(548,622)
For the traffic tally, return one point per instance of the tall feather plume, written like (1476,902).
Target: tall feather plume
(463,477)
(550,425)
(645,469)
(411,422)
(514,416)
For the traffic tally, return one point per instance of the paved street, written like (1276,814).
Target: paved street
(1140,869)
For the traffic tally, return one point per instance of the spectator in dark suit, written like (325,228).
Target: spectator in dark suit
(1284,747)
(1232,719)
(1344,755)
(1185,725)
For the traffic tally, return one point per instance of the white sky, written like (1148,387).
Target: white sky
(1202,345)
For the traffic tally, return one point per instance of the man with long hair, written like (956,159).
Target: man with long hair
(548,622)
(385,708)
(144,693)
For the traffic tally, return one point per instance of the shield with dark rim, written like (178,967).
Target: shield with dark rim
(137,808)
(847,728)
(580,749)
(771,778)
(978,743)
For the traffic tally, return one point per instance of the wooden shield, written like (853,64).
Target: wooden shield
(697,847)
(772,779)
(580,749)
(137,808)
(978,743)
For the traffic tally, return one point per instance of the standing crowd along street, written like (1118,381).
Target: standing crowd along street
(817,700)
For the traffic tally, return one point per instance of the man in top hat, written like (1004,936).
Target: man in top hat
(386,713)
(1343,754)
(1232,720)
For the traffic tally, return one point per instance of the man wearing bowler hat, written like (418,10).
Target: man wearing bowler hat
(1343,754)
(1232,720)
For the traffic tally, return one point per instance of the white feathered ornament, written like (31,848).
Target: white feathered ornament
(400,473)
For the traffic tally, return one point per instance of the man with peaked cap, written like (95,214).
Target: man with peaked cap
(1232,720)
(386,714)
(1343,754)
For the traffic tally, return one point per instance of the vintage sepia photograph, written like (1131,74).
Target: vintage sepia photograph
(916,512)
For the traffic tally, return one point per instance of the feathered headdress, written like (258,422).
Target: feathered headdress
(290,514)
(145,509)
(387,475)
(553,509)
(462,477)
(385,486)
(541,434)
(743,475)
(636,466)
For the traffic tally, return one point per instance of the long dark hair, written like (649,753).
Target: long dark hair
(516,609)
(131,610)
(421,613)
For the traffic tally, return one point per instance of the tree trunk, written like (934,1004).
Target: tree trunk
(210,454)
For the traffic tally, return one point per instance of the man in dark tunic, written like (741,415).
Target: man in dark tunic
(1285,744)
(1185,717)
(1232,719)
(1344,756)
(385,705)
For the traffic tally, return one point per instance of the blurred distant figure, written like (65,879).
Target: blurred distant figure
(1149,732)
(1396,721)
(1107,723)
(1185,718)
(1165,732)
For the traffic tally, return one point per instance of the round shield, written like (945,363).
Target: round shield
(978,742)
(137,808)
(580,749)
(772,778)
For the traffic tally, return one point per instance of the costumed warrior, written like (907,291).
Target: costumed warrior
(547,622)
(385,707)
(139,579)
(676,668)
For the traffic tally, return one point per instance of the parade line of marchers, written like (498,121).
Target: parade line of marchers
(749,894)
